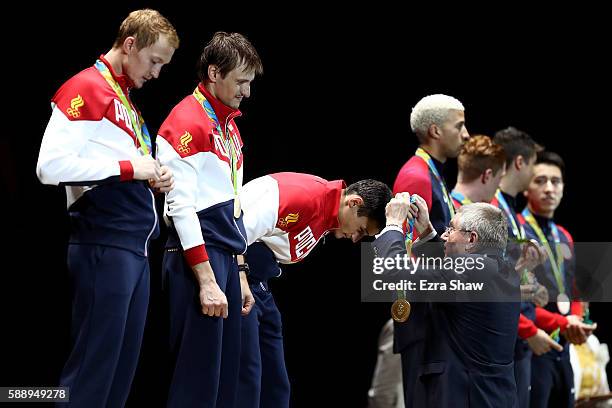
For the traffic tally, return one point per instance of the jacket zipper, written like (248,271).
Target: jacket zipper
(230,139)
(243,238)
(154,223)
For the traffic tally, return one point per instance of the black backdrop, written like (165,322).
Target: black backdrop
(335,101)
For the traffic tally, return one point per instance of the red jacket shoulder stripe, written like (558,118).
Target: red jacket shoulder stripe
(186,135)
(85,96)
(414,178)
(567,234)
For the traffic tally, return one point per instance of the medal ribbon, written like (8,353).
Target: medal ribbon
(460,197)
(138,125)
(427,158)
(408,238)
(212,116)
(555,262)
(517,230)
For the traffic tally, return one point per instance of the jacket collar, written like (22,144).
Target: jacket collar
(333,191)
(123,80)
(510,200)
(439,165)
(223,112)
(544,223)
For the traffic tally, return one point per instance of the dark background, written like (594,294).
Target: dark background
(334,101)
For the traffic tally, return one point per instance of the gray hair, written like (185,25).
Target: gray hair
(488,221)
(432,110)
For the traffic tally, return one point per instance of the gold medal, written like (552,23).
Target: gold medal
(400,310)
(236,207)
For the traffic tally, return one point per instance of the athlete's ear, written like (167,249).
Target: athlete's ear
(519,162)
(486,176)
(434,131)
(355,200)
(213,72)
(129,45)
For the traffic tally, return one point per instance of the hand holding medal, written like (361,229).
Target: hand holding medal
(165,182)
(532,255)
(397,211)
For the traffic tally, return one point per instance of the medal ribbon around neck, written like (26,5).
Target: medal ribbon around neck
(138,125)
(427,158)
(197,94)
(517,230)
(460,197)
(555,262)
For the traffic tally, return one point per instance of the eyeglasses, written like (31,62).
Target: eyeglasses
(449,230)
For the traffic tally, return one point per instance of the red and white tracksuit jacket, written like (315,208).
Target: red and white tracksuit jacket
(290,212)
(201,204)
(87,147)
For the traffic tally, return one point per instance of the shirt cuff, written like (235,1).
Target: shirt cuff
(196,255)
(126,170)
(390,228)
(428,237)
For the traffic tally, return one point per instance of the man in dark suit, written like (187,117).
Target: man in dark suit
(468,358)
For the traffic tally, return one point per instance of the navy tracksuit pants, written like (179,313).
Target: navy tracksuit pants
(522,376)
(206,349)
(552,381)
(264,382)
(111,296)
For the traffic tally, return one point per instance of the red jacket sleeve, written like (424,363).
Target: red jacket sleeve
(576,308)
(549,321)
(414,178)
(526,327)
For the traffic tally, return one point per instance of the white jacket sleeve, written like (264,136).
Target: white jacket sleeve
(260,201)
(60,160)
(182,200)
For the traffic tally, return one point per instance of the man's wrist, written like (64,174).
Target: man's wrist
(204,274)
(205,280)
(396,222)
(426,232)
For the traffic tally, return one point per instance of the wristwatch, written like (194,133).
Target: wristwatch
(244,268)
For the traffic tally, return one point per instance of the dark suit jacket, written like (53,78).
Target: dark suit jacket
(468,357)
